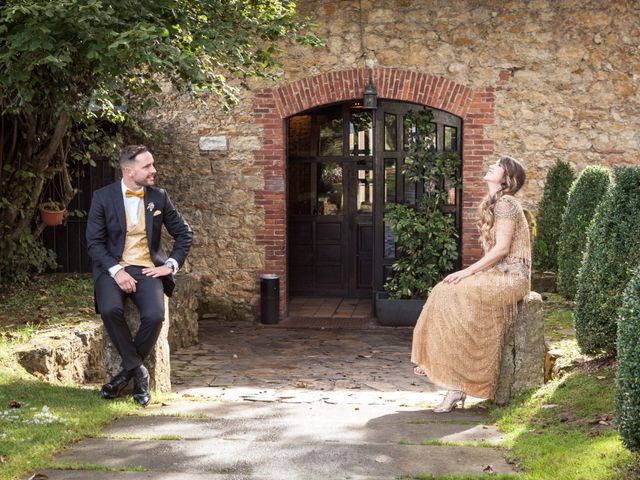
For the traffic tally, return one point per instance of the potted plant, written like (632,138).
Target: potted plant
(51,213)
(425,236)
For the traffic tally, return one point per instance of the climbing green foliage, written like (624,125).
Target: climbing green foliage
(550,211)
(584,196)
(426,238)
(612,252)
(628,376)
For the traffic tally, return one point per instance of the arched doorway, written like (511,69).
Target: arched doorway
(343,166)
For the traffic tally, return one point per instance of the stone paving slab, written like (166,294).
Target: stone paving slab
(301,460)
(109,475)
(316,423)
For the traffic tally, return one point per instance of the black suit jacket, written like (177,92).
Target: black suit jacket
(107,227)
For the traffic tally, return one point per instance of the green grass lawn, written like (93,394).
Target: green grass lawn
(38,419)
(48,299)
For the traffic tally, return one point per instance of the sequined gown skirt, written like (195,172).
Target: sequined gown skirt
(459,335)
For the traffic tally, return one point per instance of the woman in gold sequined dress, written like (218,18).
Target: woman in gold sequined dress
(457,341)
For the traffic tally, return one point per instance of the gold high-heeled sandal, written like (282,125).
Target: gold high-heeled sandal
(450,401)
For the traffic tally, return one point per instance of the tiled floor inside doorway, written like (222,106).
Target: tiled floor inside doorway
(330,312)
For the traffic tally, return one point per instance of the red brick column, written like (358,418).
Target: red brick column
(273,106)
(272,158)
(476,147)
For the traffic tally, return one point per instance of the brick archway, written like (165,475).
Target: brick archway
(273,106)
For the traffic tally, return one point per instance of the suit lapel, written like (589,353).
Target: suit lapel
(149,207)
(118,203)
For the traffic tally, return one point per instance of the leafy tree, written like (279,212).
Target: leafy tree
(584,196)
(613,251)
(550,211)
(425,236)
(67,65)
(628,376)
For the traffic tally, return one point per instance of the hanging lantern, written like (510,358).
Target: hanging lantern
(370,99)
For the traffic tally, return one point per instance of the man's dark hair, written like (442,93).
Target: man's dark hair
(129,153)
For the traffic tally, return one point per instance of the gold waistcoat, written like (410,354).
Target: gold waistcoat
(136,248)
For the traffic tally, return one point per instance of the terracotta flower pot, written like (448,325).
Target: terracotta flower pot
(49,216)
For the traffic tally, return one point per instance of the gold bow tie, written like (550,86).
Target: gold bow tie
(139,193)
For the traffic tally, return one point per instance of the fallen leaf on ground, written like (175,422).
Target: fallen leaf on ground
(187,395)
(39,476)
(301,384)
(601,377)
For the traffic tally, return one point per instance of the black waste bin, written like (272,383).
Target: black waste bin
(269,298)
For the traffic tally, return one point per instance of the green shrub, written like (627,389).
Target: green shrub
(550,210)
(628,377)
(584,196)
(20,260)
(613,251)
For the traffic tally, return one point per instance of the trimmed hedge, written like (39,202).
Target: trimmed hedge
(613,251)
(550,210)
(628,378)
(584,196)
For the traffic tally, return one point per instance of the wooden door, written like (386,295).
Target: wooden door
(330,202)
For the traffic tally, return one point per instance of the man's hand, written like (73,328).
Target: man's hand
(156,272)
(125,281)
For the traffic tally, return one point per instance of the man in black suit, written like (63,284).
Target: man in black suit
(123,240)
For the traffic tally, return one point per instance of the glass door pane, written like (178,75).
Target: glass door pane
(364,200)
(315,188)
(361,133)
(390,132)
(330,137)
(330,193)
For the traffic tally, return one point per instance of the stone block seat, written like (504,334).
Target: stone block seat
(179,330)
(522,366)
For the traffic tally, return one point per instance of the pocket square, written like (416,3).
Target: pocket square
(157,212)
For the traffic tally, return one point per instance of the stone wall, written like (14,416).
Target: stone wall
(563,76)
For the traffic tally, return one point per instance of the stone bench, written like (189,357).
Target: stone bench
(158,362)
(522,366)
(179,330)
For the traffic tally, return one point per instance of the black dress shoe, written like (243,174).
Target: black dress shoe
(117,384)
(141,393)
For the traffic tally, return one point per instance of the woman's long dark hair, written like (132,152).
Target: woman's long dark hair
(514,178)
